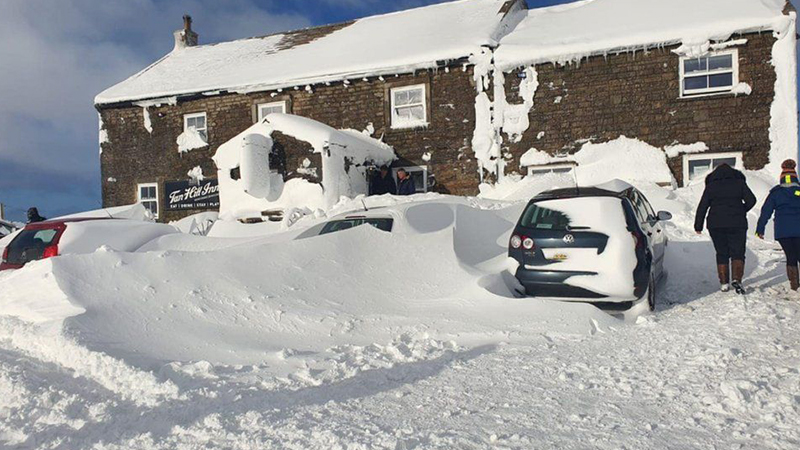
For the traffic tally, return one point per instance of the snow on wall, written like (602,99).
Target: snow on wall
(196,174)
(189,140)
(345,156)
(513,118)
(102,133)
(675,150)
(783,113)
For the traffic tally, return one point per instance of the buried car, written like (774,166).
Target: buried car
(604,245)
(51,238)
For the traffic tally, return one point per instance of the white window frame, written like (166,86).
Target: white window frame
(710,91)
(409,169)
(550,167)
(281,104)
(710,156)
(411,124)
(203,131)
(142,200)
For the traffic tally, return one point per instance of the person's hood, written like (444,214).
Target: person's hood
(724,172)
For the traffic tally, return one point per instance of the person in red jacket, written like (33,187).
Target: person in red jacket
(784,202)
(726,201)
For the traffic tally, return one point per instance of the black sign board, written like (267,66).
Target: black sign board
(182,195)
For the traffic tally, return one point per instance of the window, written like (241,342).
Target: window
(711,74)
(550,168)
(148,197)
(699,165)
(351,222)
(418,174)
(409,108)
(265,109)
(196,121)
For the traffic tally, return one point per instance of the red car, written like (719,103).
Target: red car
(78,236)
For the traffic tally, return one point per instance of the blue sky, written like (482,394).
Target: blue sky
(55,56)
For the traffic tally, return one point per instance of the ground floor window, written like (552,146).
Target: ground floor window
(417,173)
(550,168)
(701,164)
(148,197)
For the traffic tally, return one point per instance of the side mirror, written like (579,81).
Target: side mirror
(664,216)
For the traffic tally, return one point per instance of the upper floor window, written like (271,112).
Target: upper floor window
(409,108)
(197,121)
(699,165)
(265,109)
(147,194)
(714,73)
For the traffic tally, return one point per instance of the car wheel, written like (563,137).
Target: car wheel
(651,294)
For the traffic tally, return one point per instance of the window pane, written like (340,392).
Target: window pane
(692,83)
(415,96)
(401,98)
(695,65)
(720,62)
(720,80)
(403,114)
(417,113)
(562,170)
(698,168)
(720,161)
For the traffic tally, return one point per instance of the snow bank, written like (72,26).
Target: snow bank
(345,156)
(783,132)
(568,33)
(379,45)
(135,211)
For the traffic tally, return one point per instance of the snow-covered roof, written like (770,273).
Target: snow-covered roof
(386,44)
(570,32)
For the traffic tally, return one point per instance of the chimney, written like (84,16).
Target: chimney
(185,37)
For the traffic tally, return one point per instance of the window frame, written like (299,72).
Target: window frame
(550,167)
(141,200)
(409,169)
(392,108)
(711,157)
(204,131)
(282,103)
(709,91)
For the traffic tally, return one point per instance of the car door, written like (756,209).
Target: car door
(655,232)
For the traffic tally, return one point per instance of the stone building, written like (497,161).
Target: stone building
(462,91)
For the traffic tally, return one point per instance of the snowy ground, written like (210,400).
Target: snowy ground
(412,340)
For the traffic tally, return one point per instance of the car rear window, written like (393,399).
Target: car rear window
(541,218)
(29,245)
(339,225)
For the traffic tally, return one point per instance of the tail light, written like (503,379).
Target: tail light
(5,254)
(525,242)
(50,252)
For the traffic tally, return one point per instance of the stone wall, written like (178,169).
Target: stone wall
(637,95)
(133,155)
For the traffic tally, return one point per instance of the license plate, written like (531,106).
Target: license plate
(558,257)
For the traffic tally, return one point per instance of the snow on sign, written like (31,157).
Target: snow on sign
(183,195)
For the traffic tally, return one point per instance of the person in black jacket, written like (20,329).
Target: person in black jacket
(726,200)
(406,183)
(383,183)
(33,216)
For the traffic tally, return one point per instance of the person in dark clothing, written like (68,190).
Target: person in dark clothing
(33,216)
(406,183)
(382,183)
(726,201)
(784,202)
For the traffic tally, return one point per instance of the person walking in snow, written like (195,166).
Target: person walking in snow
(383,183)
(726,201)
(406,183)
(784,202)
(33,216)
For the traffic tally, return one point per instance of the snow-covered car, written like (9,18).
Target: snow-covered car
(381,220)
(78,236)
(603,245)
